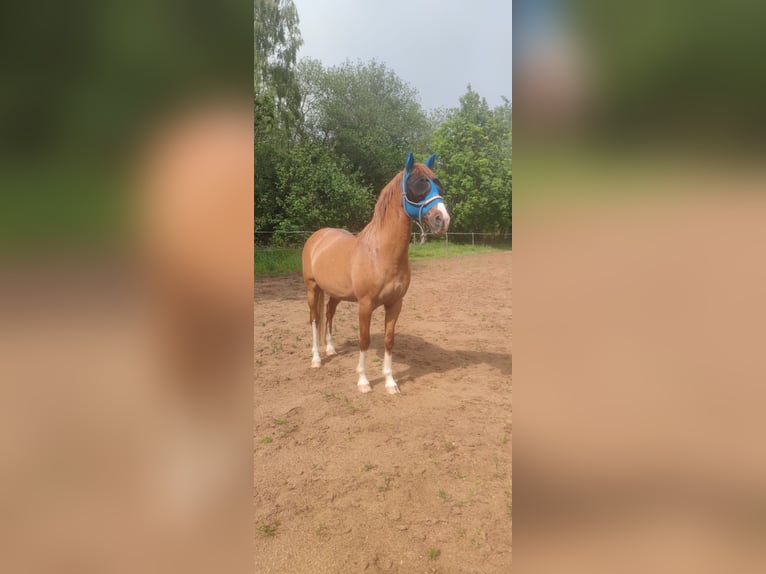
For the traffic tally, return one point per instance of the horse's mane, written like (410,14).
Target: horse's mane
(391,194)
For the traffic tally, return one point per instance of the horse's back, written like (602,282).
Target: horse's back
(326,260)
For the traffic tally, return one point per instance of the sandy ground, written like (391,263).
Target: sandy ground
(419,482)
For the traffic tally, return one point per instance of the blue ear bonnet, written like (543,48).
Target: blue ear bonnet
(417,209)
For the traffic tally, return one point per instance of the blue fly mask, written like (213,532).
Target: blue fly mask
(420,193)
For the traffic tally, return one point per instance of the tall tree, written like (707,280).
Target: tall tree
(474,144)
(277,39)
(368,114)
(276,102)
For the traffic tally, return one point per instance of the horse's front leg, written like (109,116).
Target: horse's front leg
(392,314)
(365,315)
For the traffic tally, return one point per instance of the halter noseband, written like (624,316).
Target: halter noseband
(416,210)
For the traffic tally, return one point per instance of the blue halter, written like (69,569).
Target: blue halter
(416,210)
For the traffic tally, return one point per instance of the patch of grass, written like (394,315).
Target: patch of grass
(280,421)
(437,248)
(267,440)
(433,553)
(509,510)
(449,446)
(369,466)
(444,495)
(277,261)
(459,475)
(276,346)
(286,430)
(354,407)
(268,529)
(286,260)
(386,482)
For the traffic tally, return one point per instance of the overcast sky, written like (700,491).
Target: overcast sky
(436,46)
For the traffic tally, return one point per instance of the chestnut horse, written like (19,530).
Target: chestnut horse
(372,268)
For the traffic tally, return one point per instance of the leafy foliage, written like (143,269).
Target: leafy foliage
(277,39)
(327,140)
(474,144)
(367,113)
(313,190)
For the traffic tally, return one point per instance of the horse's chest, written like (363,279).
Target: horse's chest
(394,288)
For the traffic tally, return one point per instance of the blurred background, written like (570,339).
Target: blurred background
(126,311)
(640,225)
(126,175)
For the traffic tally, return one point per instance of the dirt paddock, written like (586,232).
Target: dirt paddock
(418,482)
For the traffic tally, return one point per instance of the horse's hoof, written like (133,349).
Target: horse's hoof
(364,388)
(392,389)
(330,352)
(316,364)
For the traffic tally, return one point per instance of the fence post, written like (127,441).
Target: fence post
(446,243)
(472,244)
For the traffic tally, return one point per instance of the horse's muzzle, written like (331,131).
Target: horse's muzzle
(438,220)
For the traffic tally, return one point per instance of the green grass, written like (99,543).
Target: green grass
(438,248)
(283,261)
(277,261)
(268,529)
(433,553)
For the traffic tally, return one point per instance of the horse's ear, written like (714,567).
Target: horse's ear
(431,161)
(409,163)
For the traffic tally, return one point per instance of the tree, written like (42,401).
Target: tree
(367,114)
(316,190)
(474,144)
(277,39)
(276,102)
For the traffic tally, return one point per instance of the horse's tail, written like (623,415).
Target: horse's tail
(322,326)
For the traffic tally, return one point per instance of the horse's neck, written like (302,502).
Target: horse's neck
(392,236)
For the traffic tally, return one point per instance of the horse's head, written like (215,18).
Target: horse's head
(422,195)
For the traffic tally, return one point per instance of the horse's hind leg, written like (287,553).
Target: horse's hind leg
(392,314)
(332,304)
(314,297)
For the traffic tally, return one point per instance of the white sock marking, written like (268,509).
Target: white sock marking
(362,384)
(316,361)
(330,350)
(388,372)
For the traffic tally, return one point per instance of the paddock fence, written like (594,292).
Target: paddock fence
(291,240)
